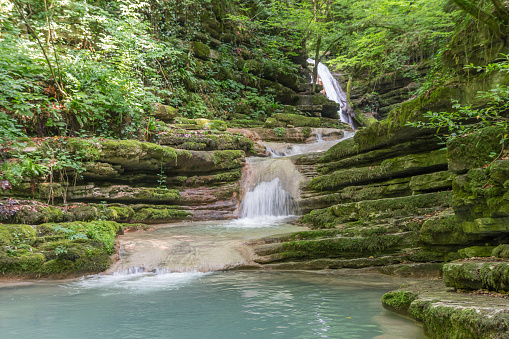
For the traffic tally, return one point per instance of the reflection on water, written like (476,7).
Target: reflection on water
(200,305)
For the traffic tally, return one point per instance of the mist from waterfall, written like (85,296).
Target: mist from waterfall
(333,91)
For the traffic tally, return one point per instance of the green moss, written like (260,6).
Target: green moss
(410,164)
(341,150)
(495,276)
(450,321)
(201,50)
(158,194)
(57,249)
(245,123)
(501,251)
(476,251)
(306,132)
(322,218)
(398,301)
(393,129)
(229,159)
(403,206)
(159,215)
(210,141)
(120,213)
(475,149)
(16,234)
(102,231)
(297,120)
(334,247)
(443,230)
(462,275)
(129,149)
(228,176)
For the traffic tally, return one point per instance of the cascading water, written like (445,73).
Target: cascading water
(268,199)
(271,189)
(333,91)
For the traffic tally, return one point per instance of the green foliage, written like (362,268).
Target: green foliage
(102,231)
(279,131)
(464,119)
(384,36)
(102,71)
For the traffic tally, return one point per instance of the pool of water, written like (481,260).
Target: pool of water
(171,282)
(249,304)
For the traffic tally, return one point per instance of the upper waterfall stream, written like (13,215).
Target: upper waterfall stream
(333,91)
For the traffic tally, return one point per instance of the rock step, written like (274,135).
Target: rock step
(477,274)
(420,204)
(451,315)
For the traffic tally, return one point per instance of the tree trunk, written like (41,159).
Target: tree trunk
(471,8)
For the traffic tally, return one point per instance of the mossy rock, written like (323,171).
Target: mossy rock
(201,50)
(23,234)
(207,142)
(296,120)
(341,150)
(395,130)
(136,155)
(332,247)
(273,123)
(501,251)
(476,251)
(462,275)
(474,275)
(376,209)
(444,230)
(488,226)
(399,166)
(475,149)
(460,320)
(398,301)
(57,249)
(158,215)
(164,112)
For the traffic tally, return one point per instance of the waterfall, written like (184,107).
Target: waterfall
(333,91)
(272,186)
(268,199)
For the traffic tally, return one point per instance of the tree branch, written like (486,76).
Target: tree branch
(34,34)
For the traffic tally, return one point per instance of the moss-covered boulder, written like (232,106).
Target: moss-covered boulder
(398,301)
(490,275)
(164,112)
(475,149)
(501,251)
(444,229)
(57,249)
(394,167)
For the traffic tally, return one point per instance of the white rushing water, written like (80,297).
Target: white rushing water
(284,149)
(333,91)
(273,183)
(268,199)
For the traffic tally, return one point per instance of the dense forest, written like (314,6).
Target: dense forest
(98,68)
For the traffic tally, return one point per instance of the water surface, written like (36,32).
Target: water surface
(202,305)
